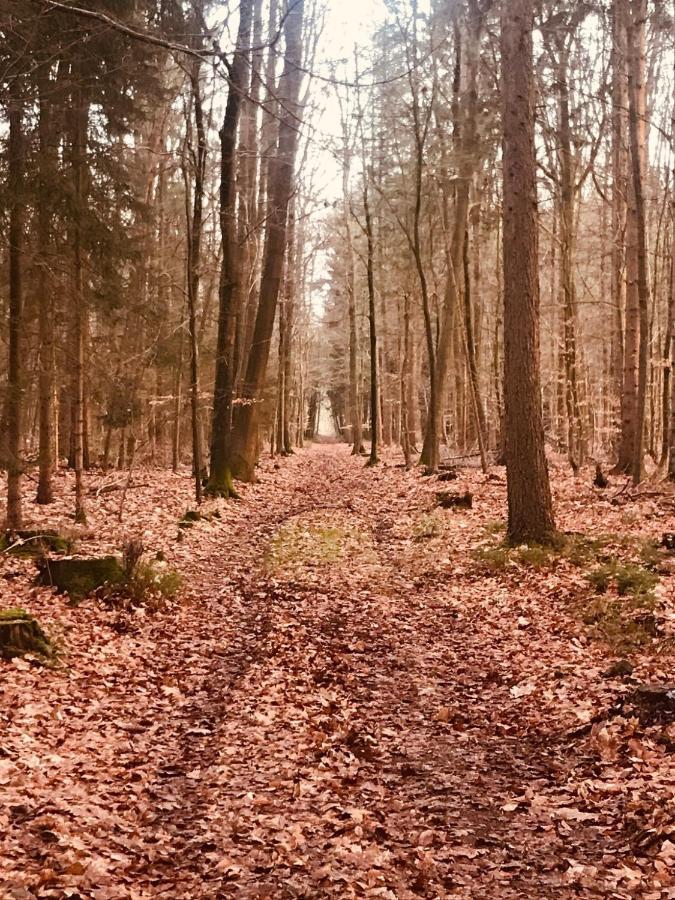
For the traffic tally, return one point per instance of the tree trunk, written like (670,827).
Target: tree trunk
(530,509)
(80,115)
(372,328)
(636,117)
(619,189)
(195,226)
(15,175)
(45,304)
(669,427)
(220,475)
(244,444)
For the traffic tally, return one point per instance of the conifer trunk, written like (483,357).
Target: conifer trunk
(530,516)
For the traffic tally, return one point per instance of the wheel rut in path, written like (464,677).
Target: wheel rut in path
(343,707)
(353,744)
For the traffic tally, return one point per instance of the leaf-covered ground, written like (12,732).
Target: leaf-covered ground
(357,695)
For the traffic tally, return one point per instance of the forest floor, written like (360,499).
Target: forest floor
(357,694)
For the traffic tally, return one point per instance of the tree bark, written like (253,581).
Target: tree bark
(45,303)
(530,509)
(372,327)
(15,175)
(195,227)
(636,108)
(244,445)
(220,475)
(80,116)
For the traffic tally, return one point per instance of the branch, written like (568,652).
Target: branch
(144,36)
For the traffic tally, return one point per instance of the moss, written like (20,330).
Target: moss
(317,543)
(20,633)
(635,580)
(80,577)
(33,543)
(428,526)
(629,579)
(221,486)
(493,559)
(495,527)
(152,578)
(624,623)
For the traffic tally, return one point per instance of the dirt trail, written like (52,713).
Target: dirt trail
(344,709)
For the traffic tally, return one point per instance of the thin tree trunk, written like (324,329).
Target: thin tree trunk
(45,306)
(15,166)
(619,188)
(372,328)
(636,107)
(195,227)
(79,143)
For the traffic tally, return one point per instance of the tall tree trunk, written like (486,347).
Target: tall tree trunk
(372,327)
(45,303)
(15,174)
(220,475)
(568,225)
(80,116)
(669,420)
(465,109)
(244,444)
(194,250)
(636,118)
(354,404)
(530,506)
(619,188)
(471,360)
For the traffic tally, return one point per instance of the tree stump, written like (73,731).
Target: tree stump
(33,543)
(80,577)
(20,633)
(449,475)
(654,703)
(447,500)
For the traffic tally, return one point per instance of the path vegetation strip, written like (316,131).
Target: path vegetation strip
(377,714)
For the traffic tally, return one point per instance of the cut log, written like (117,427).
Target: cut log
(20,633)
(446,500)
(80,577)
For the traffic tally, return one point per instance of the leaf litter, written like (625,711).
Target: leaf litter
(343,702)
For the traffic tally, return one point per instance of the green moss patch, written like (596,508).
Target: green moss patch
(20,633)
(80,577)
(33,543)
(301,543)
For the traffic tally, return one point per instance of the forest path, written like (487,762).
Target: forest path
(345,707)
(356,732)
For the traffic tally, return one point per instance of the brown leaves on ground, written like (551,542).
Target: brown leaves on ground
(345,703)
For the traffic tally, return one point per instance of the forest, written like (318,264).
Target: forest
(337,449)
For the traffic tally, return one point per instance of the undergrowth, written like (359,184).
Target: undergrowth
(150,584)
(622,571)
